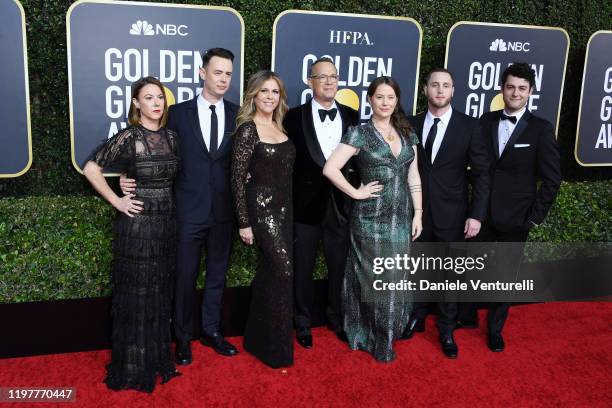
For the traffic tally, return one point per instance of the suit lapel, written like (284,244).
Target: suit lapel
(343,116)
(518,130)
(310,137)
(227,130)
(419,122)
(495,134)
(448,139)
(195,123)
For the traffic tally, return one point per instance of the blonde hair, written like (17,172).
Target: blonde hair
(248,108)
(134,113)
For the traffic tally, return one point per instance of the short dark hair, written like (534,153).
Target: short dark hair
(216,52)
(322,59)
(433,71)
(519,70)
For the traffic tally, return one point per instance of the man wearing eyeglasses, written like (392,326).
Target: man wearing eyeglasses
(320,210)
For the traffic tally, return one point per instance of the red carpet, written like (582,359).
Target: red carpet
(557,354)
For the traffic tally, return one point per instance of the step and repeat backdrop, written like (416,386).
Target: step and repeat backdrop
(478,53)
(129,41)
(594,133)
(15,140)
(111,44)
(363,47)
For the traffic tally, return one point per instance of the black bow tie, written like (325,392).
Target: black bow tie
(332,114)
(510,118)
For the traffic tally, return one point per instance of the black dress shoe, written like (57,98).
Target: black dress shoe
(449,347)
(219,344)
(414,325)
(467,324)
(496,343)
(304,338)
(183,353)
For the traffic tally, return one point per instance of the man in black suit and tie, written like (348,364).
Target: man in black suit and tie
(450,142)
(320,210)
(204,209)
(522,150)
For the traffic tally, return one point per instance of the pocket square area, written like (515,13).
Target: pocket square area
(522,145)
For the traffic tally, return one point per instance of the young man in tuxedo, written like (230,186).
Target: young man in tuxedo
(523,150)
(320,210)
(204,209)
(450,142)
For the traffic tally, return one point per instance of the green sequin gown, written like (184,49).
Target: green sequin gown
(379,227)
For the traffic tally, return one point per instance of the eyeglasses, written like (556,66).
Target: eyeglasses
(324,78)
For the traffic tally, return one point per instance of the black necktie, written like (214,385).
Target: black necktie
(332,114)
(214,130)
(431,138)
(510,118)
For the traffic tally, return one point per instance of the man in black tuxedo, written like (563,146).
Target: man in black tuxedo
(522,149)
(320,210)
(450,142)
(204,208)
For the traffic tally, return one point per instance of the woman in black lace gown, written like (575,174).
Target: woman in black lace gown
(265,216)
(143,240)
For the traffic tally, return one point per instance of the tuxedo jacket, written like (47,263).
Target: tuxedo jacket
(202,187)
(531,154)
(445,182)
(312,190)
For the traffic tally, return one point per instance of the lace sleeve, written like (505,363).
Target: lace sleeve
(117,152)
(244,144)
(175,146)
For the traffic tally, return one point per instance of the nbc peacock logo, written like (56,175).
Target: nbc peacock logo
(498,45)
(142,27)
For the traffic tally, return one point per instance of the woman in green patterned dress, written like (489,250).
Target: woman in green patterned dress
(386,217)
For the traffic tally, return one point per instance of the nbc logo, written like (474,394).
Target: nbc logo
(498,45)
(142,27)
(503,46)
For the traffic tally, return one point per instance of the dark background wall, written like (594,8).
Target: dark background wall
(52,172)
(55,233)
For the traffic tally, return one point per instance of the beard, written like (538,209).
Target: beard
(440,104)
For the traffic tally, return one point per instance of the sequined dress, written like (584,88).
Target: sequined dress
(379,228)
(144,258)
(264,203)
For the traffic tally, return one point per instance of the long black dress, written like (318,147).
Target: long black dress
(144,258)
(265,204)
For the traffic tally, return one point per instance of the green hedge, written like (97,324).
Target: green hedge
(52,171)
(60,247)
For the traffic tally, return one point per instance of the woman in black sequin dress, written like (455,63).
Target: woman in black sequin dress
(265,216)
(144,253)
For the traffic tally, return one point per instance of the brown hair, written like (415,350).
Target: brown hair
(436,70)
(398,117)
(134,113)
(248,109)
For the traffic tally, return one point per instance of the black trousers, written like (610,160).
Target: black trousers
(217,240)
(447,311)
(509,258)
(335,236)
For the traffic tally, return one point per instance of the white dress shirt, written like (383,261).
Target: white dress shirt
(328,132)
(442,125)
(204,114)
(505,129)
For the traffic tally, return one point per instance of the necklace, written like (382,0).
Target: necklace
(387,134)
